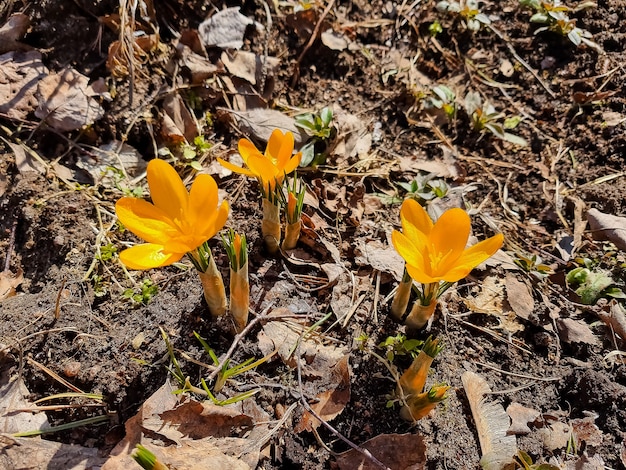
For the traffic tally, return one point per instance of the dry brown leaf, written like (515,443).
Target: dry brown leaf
(586,430)
(331,402)
(607,227)
(12,31)
(384,258)
(225,29)
(573,331)
(585,462)
(34,453)
(490,299)
(249,66)
(259,123)
(198,67)
(19,75)
(353,137)
(178,124)
(520,417)
(9,282)
(396,451)
(615,317)
(556,435)
(623,452)
(520,297)
(334,41)
(492,423)
(65,102)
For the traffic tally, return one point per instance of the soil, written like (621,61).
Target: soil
(70,314)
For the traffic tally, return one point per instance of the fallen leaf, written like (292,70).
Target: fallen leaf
(520,297)
(585,462)
(25,159)
(573,331)
(615,317)
(623,452)
(114,154)
(259,123)
(586,430)
(198,67)
(12,31)
(225,29)
(520,417)
(178,124)
(353,137)
(488,297)
(64,101)
(9,282)
(249,66)
(19,75)
(334,41)
(607,227)
(555,436)
(396,451)
(381,257)
(30,452)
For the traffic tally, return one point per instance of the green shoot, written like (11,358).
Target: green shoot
(321,131)
(467,10)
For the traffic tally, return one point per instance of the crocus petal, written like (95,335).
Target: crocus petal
(405,248)
(212,223)
(247,149)
(167,189)
(145,220)
(202,199)
(414,215)
(473,256)
(277,146)
(419,275)
(235,168)
(449,236)
(264,170)
(293,163)
(147,256)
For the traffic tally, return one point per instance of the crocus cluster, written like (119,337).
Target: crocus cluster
(270,169)
(435,256)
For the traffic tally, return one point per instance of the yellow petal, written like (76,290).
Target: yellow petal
(202,199)
(407,250)
(145,220)
(277,146)
(167,189)
(235,168)
(293,163)
(418,274)
(264,170)
(147,256)
(413,215)
(473,256)
(247,149)
(215,221)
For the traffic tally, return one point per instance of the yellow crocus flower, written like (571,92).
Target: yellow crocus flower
(270,167)
(436,252)
(177,222)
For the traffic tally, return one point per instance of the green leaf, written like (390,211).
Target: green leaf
(308,153)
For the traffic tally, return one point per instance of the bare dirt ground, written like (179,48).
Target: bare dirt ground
(80,322)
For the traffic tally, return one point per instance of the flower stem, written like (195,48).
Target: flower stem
(239,296)
(270,227)
(213,287)
(292,235)
(401,299)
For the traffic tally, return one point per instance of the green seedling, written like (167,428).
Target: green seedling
(143,295)
(100,286)
(485,118)
(399,345)
(533,266)
(106,253)
(191,153)
(467,10)
(321,131)
(435,28)
(554,16)
(526,463)
(441,101)
(593,285)
(147,459)
(425,188)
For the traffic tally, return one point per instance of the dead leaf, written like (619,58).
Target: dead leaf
(520,417)
(249,66)
(178,124)
(12,31)
(225,29)
(520,297)
(331,402)
(381,257)
(115,154)
(573,331)
(19,74)
(30,452)
(303,22)
(586,430)
(615,317)
(25,159)
(396,451)
(489,298)
(64,101)
(585,462)
(198,67)
(259,123)
(9,282)
(506,68)
(608,227)
(623,452)
(555,436)
(334,41)
(353,137)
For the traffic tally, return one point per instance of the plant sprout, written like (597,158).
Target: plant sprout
(485,118)
(467,10)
